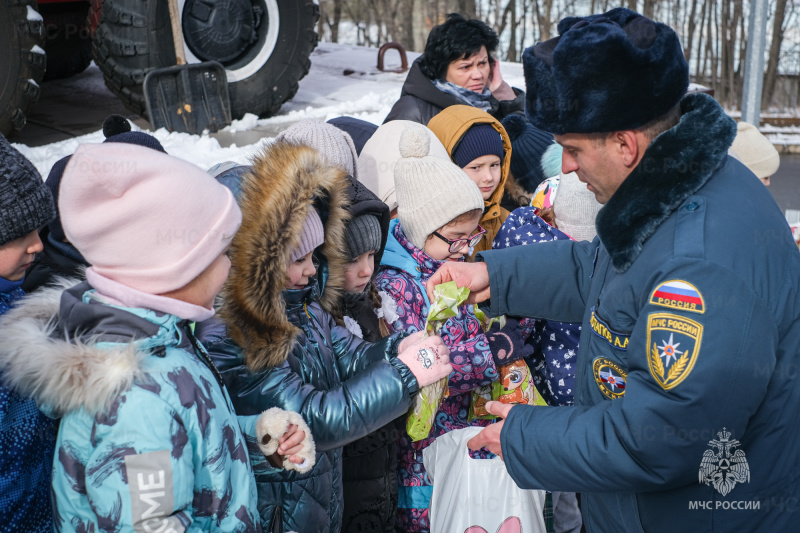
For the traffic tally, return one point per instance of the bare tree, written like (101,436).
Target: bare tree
(774,53)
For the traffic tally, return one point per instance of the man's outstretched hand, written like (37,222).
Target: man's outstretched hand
(474,276)
(489,438)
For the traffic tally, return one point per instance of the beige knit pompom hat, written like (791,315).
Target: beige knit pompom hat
(430,191)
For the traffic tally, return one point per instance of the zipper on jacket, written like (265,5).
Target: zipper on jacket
(201,352)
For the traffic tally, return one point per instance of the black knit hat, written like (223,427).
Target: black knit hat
(362,235)
(364,208)
(610,72)
(117,129)
(528,143)
(25,203)
(480,140)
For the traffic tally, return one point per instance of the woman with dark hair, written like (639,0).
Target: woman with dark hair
(457,67)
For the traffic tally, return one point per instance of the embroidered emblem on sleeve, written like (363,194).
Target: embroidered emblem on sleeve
(610,377)
(678,294)
(673,343)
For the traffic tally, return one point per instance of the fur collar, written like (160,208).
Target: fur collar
(61,374)
(285,181)
(676,165)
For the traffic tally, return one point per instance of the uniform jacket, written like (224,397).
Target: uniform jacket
(450,126)
(279,348)
(689,309)
(147,437)
(420,100)
(555,343)
(27,442)
(404,271)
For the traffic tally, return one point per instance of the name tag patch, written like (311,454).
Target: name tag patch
(610,377)
(673,343)
(601,329)
(678,294)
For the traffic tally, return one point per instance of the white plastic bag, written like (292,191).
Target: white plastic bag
(476,495)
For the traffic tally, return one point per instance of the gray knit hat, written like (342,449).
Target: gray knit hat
(25,202)
(575,208)
(312,236)
(430,191)
(333,144)
(362,235)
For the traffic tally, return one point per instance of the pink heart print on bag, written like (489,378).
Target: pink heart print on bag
(510,525)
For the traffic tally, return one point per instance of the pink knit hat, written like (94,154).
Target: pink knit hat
(312,236)
(144,219)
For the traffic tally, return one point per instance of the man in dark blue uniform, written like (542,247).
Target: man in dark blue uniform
(687,413)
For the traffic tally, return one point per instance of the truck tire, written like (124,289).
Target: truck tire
(67,40)
(264,46)
(22,61)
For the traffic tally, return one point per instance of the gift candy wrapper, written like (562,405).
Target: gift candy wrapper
(514,385)
(447,298)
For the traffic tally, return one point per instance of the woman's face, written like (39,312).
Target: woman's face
(472,72)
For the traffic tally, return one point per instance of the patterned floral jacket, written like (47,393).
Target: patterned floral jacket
(403,273)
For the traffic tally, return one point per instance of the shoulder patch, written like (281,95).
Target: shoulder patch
(678,294)
(610,377)
(673,343)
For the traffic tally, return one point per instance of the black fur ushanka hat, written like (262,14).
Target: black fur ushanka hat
(609,72)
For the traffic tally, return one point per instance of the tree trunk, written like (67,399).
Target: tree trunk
(687,51)
(649,8)
(774,53)
(511,53)
(632,4)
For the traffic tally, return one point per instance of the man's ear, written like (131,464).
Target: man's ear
(628,146)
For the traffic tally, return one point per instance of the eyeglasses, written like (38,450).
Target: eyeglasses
(457,244)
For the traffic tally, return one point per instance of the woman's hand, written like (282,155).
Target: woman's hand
(498,86)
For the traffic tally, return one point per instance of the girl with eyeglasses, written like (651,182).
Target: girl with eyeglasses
(439,213)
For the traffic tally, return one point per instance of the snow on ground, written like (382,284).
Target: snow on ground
(343,80)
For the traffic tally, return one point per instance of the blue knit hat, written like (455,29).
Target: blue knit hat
(480,140)
(528,144)
(610,72)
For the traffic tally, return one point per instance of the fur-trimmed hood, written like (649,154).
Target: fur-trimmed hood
(286,180)
(67,354)
(675,165)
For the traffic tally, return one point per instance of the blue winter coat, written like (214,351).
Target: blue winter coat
(148,440)
(688,413)
(27,442)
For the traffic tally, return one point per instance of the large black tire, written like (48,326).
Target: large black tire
(22,61)
(134,37)
(67,40)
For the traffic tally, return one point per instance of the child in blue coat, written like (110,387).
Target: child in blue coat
(27,437)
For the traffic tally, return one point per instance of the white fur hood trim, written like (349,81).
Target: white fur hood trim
(61,375)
